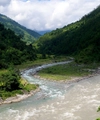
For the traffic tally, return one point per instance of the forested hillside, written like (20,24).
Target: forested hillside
(12,49)
(81,39)
(29,36)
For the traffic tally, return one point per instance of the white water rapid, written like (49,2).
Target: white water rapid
(56,101)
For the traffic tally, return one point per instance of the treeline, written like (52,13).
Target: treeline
(12,49)
(81,39)
(29,36)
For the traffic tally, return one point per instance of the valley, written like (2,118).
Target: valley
(57,73)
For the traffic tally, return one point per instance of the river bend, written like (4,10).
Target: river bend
(56,101)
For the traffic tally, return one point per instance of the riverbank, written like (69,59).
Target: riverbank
(24,89)
(19,97)
(28,87)
(95,72)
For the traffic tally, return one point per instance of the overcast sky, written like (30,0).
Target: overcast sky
(46,14)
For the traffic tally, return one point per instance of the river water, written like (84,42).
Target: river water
(56,101)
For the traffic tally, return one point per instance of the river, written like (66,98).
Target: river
(56,101)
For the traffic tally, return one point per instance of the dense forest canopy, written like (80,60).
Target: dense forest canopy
(12,49)
(81,39)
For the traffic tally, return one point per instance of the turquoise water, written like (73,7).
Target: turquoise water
(56,101)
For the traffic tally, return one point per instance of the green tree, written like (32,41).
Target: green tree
(10,80)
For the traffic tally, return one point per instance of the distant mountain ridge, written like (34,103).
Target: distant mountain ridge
(81,39)
(29,36)
(44,32)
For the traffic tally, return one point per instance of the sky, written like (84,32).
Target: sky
(41,15)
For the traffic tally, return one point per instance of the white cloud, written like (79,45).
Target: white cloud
(46,14)
(4,2)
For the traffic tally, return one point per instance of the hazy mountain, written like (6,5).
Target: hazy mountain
(81,39)
(43,32)
(29,36)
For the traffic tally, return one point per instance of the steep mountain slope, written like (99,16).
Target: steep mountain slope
(28,35)
(12,49)
(81,39)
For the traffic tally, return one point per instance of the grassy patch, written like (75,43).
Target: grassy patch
(6,94)
(54,77)
(33,63)
(24,87)
(27,86)
(41,61)
(66,71)
(30,87)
